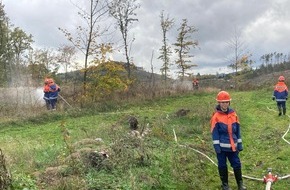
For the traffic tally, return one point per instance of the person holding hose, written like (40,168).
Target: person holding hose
(227,141)
(46,91)
(280,94)
(53,89)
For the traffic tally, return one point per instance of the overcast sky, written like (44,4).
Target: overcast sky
(264,27)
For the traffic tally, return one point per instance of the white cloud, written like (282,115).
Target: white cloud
(265,27)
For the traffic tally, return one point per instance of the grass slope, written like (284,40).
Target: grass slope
(155,161)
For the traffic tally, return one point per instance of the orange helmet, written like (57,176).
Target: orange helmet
(281,78)
(223,96)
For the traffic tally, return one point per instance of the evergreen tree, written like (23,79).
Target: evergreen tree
(182,48)
(165,50)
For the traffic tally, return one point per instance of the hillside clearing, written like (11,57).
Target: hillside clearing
(154,161)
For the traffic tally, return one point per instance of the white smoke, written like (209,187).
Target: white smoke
(185,85)
(22,96)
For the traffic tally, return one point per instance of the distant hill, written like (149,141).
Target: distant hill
(245,81)
(137,72)
(265,76)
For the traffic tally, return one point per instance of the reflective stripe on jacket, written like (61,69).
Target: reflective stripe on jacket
(46,90)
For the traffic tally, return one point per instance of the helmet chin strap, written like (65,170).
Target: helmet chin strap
(224,110)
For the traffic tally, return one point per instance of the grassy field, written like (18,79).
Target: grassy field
(37,149)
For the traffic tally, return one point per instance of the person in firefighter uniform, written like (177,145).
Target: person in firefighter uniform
(280,94)
(51,90)
(46,91)
(227,142)
(195,84)
(54,90)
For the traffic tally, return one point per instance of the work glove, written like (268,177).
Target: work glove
(217,149)
(287,98)
(240,147)
(273,98)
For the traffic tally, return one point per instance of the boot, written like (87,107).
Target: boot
(284,111)
(239,179)
(47,105)
(224,178)
(280,111)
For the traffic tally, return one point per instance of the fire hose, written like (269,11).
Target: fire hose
(269,179)
(65,101)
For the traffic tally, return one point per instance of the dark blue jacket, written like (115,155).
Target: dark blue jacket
(54,89)
(225,129)
(280,92)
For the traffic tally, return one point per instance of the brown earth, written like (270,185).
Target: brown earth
(243,83)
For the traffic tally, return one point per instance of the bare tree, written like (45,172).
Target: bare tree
(47,58)
(152,78)
(65,57)
(165,50)
(238,59)
(124,12)
(36,66)
(86,37)
(183,46)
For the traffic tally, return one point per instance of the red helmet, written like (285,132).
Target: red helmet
(223,96)
(281,78)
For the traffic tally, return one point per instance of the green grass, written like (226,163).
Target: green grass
(156,161)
